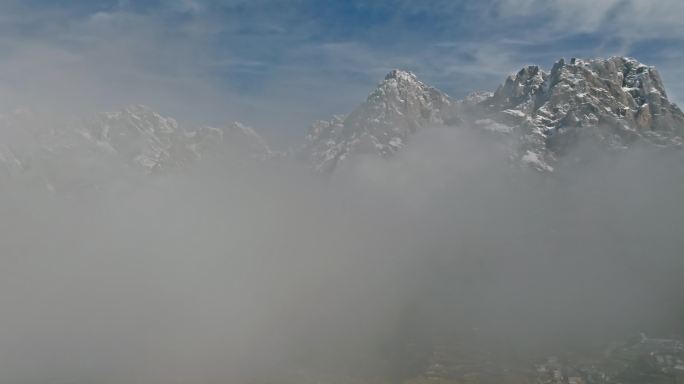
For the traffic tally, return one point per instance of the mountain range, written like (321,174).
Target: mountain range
(613,103)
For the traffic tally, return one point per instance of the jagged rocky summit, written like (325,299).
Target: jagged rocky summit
(154,143)
(399,106)
(614,103)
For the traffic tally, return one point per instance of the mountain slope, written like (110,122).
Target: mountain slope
(398,107)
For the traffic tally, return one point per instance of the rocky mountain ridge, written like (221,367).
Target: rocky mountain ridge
(614,103)
(133,142)
(399,106)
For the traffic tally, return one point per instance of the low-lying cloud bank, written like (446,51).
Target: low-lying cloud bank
(246,272)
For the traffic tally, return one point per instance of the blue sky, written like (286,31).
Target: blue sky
(277,65)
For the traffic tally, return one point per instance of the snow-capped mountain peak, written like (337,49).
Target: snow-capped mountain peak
(134,141)
(141,136)
(398,107)
(401,75)
(612,102)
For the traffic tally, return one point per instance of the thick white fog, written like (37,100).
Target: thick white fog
(240,272)
(139,249)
